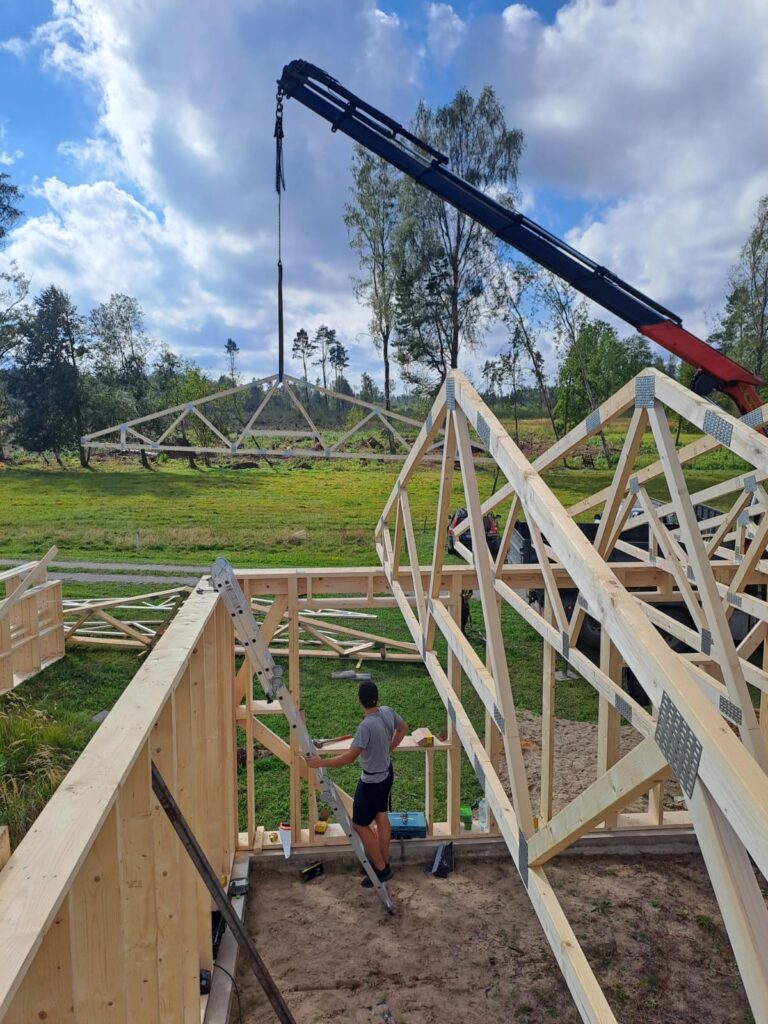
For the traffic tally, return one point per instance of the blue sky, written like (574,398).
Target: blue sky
(141,134)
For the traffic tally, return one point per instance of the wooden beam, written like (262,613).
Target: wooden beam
(726,767)
(612,791)
(485,570)
(608,718)
(733,677)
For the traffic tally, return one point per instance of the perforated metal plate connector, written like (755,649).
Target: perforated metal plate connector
(479,772)
(750,484)
(593,421)
(634,485)
(624,708)
(498,718)
(645,392)
(450,393)
(731,711)
(706,641)
(753,418)
(678,743)
(522,858)
(566,644)
(734,599)
(718,427)
(483,431)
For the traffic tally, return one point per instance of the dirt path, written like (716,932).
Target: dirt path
(469,949)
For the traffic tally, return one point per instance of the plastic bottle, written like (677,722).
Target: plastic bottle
(482,815)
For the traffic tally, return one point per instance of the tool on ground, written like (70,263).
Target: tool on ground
(270,676)
(220,898)
(311,871)
(442,865)
(284,832)
(238,887)
(359,677)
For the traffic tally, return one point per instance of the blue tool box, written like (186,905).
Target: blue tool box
(408,824)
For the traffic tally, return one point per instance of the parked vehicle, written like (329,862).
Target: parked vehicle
(492,538)
(522,551)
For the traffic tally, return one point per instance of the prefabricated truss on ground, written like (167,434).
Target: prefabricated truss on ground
(135,622)
(299,437)
(101,916)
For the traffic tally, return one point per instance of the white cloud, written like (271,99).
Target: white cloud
(444,32)
(7,157)
(17,47)
(176,203)
(647,115)
(649,112)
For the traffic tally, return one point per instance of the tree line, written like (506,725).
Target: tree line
(434,283)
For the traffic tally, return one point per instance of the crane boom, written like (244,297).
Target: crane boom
(380,134)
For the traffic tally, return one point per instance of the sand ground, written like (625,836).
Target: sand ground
(469,948)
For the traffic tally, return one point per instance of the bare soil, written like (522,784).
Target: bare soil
(469,949)
(575,761)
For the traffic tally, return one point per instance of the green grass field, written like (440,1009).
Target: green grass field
(281,516)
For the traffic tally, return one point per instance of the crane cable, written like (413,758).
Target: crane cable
(279,188)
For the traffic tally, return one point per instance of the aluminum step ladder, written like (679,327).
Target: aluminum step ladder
(270,676)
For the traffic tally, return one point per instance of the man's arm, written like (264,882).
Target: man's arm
(335,762)
(401,731)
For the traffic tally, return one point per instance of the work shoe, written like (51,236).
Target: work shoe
(384,876)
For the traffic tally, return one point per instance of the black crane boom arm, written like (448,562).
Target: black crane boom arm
(380,134)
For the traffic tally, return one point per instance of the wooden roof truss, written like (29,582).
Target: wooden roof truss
(702,727)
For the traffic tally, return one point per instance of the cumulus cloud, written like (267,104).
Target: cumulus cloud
(643,117)
(444,32)
(8,158)
(177,204)
(650,115)
(17,47)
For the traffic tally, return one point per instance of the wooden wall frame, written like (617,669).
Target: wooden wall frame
(31,622)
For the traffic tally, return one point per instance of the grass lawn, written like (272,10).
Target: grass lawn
(281,516)
(45,724)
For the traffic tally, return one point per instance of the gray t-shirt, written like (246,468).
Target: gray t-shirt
(374,736)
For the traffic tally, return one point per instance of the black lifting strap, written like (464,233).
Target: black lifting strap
(279,187)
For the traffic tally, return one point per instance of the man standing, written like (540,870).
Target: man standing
(379,733)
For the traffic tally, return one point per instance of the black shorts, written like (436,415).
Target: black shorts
(372,798)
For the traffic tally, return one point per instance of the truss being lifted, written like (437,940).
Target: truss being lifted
(701,727)
(216,425)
